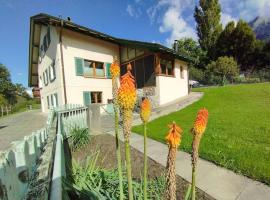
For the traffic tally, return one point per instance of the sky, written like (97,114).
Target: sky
(160,21)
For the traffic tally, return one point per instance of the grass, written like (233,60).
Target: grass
(238,132)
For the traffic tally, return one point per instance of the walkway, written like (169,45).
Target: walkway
(16,126)
(218,182)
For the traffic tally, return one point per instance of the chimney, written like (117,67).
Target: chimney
(175,45)
(69,19)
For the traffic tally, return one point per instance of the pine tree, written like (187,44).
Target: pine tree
(207,16)
(244,41)
(224,45)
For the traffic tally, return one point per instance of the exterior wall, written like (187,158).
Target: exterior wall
(172,88)
(78,45)
(45,61)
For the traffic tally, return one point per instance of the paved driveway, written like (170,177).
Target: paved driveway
(15,127)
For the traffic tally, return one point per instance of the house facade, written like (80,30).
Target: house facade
(71,65)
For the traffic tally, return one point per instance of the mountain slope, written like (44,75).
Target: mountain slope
(261,27)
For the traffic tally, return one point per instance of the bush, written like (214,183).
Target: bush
(246,80)
(221,71)
(79,137)
(3,100)
(263,74)
(196,74)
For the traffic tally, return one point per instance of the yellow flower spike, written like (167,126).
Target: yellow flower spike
(115,69)
(127,92)
(145,110)
(174,136)
(201,122)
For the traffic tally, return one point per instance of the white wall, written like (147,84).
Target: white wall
(172,88)
(44,63)
(78,45)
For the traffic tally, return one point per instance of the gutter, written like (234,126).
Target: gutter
(62,61)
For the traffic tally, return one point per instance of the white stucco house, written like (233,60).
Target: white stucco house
(70,64)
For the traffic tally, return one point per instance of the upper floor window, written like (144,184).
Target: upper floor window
(166,67)
(90,68)
(52,71)
(45,77)
(45,43)
(182,72)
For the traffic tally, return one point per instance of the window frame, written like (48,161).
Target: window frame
(96,97)
(182,75)
(172,64)
(94,69)
(52,72)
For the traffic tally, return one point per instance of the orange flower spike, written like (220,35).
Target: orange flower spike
(145,110)
(201,121)
(115,69)
(174,136)
(127,92)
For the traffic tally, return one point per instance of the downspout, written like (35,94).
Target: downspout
(62,61)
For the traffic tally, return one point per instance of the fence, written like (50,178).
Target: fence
(33,168)
(5,109)
(18,164)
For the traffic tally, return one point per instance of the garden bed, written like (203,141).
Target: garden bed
(105,144)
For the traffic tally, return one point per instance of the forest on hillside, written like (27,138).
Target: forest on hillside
(224,55)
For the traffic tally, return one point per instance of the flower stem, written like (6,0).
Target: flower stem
(118,154)
(145,164)
(128,163)
(193,189)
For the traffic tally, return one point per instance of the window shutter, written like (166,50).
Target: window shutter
(108,72)
(79,66)
(86,98)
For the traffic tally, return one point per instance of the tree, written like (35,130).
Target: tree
(190,48)
(222,70)
(244,41)
(207,16)
(7,88)
(224,45)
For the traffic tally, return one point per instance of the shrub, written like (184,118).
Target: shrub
(222,70)
(3,100)
(196,74)
(246,80)
(79,137)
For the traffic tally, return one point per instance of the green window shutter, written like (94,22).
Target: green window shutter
(79,66)
(86,98)
(108,72)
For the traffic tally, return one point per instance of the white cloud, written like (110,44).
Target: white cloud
(133,12)
(226,18)
(246,9)
(172,20)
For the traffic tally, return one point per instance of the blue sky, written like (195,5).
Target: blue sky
(147,20)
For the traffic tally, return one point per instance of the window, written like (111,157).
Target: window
(166,67)
(48,102)
(142,70)
(89,68)
(96,97)
(52,72)
(46,80)
(54,100)
(92,97)
(128,53)
(182,72)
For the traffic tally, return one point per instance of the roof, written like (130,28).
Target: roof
(45,19)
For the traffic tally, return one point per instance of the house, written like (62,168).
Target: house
(70,64)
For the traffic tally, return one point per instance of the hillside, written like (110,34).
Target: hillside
(261,27)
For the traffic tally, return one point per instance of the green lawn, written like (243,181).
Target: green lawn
(238,132)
